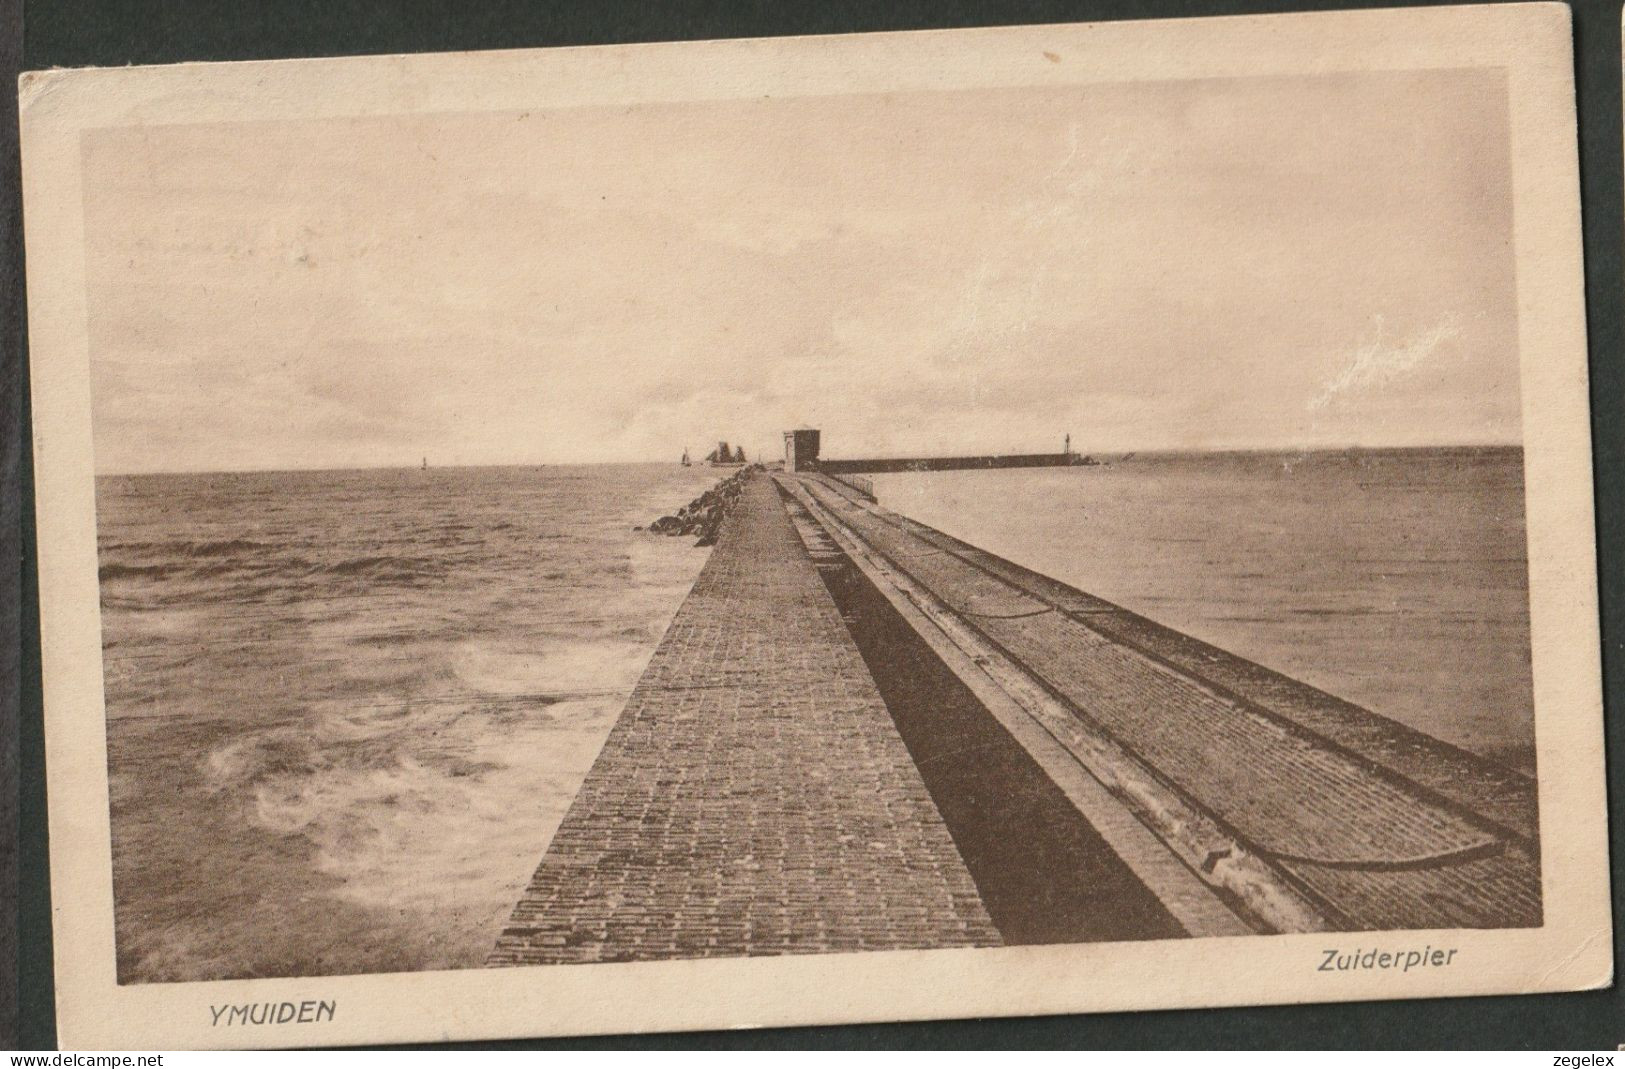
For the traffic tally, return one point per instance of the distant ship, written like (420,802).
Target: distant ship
(425,464)
(686,461)
(723,457)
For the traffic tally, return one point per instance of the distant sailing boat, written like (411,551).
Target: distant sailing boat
(722,456)
(425,463)
(686,461)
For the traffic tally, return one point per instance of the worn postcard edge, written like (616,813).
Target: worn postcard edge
(1572,951)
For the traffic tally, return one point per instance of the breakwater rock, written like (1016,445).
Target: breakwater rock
(703,516)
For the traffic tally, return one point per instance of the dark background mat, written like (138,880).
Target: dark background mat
(118,32)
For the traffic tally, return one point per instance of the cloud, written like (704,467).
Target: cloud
(1146,265)
(1374,364)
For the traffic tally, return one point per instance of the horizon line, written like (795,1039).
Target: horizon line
(1115,453)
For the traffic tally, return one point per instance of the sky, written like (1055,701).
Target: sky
(1315,261)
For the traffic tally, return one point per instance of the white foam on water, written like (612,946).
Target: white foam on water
(555,670)
(399,753)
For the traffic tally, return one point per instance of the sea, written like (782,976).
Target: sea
(348,709)
(1397,579)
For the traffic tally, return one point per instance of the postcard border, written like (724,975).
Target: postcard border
(1572,951)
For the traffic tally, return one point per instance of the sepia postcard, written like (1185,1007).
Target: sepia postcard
(811,530)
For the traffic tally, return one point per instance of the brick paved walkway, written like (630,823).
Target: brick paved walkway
(754,797)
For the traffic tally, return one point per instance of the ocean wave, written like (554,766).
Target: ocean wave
(261,574)
(215,547)
(558,671)
(379,566)
(225,547)
(248,761)
(132,571)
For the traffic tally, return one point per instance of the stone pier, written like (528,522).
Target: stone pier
(754,797)
(974,755)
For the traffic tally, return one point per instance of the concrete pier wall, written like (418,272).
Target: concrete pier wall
(883,465)
(1369,824)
